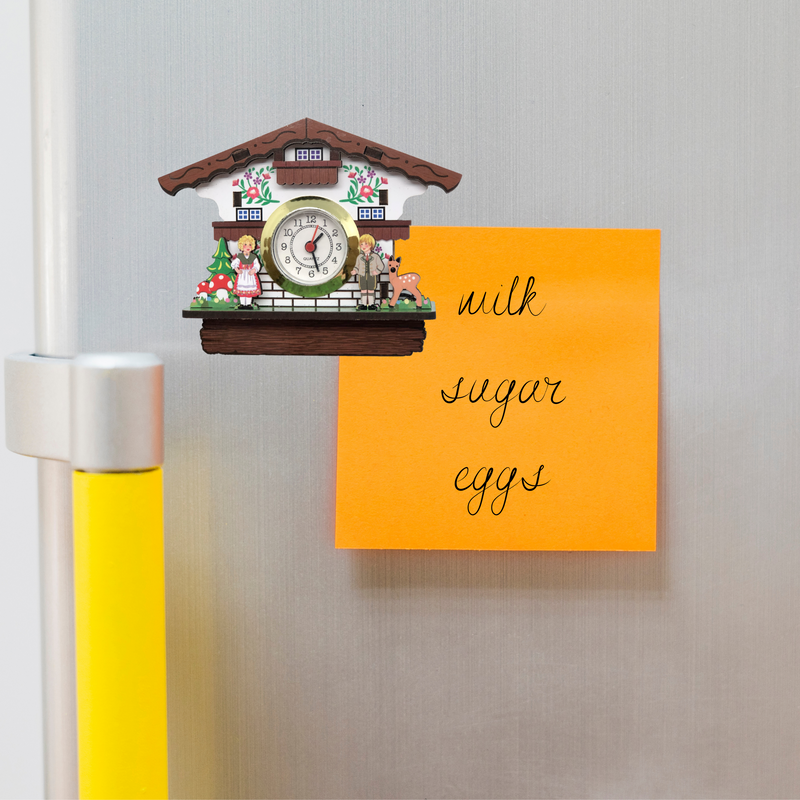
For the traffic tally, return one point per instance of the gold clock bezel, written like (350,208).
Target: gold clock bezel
(274,221)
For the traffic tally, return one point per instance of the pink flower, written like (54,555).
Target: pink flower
(252,192)
(236,183)
(384,180)
(351,175)
(265,176)
(366,191)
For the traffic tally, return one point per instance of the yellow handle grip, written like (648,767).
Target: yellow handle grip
(120,634)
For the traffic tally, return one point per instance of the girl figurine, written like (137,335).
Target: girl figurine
(247,265)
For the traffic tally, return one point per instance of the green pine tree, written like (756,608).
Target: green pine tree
(222,261)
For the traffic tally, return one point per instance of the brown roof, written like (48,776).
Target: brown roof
(307,130)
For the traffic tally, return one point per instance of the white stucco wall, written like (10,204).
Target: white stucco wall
(400,188)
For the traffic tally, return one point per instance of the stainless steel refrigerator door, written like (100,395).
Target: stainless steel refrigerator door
(299,671)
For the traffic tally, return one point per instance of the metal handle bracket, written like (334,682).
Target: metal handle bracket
(102,412)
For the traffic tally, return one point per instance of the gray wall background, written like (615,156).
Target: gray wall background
(299,671)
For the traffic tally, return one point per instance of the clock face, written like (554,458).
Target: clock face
(310,245)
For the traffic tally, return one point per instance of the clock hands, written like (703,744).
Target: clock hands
(311,246)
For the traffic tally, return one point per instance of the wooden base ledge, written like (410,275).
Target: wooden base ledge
(280,337)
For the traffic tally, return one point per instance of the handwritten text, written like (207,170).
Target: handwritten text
(504,486)
(524,303)
(503,396)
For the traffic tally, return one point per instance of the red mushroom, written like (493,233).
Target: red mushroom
(203,290)
(220,284)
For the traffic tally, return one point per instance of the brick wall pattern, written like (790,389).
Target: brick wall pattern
(272,296)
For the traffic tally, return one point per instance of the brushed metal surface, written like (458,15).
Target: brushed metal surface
(58,630)
(55,175)
(299,671)
(54,134)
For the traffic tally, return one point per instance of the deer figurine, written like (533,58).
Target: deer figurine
(407,281)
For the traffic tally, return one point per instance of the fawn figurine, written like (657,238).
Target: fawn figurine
(407,281)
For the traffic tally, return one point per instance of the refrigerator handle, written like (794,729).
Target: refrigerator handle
(104,414)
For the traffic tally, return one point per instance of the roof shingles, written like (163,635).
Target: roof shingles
(307,129)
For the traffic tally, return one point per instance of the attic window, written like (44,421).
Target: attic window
(309,154)
(243,214)
(372,213)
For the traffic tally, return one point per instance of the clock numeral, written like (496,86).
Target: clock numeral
(283,245)
(288,260)
(311,273)
(298,270)
(311,220)
(287,232)
(324,270)
(324,223)
(335,232)
(338,245)
(334,260)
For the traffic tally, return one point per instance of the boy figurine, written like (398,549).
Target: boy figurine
(368,267)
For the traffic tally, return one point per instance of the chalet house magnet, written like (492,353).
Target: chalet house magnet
(304,262)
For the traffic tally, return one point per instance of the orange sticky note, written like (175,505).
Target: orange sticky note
(564,374)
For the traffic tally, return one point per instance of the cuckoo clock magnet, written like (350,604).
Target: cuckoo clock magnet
(304,262)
